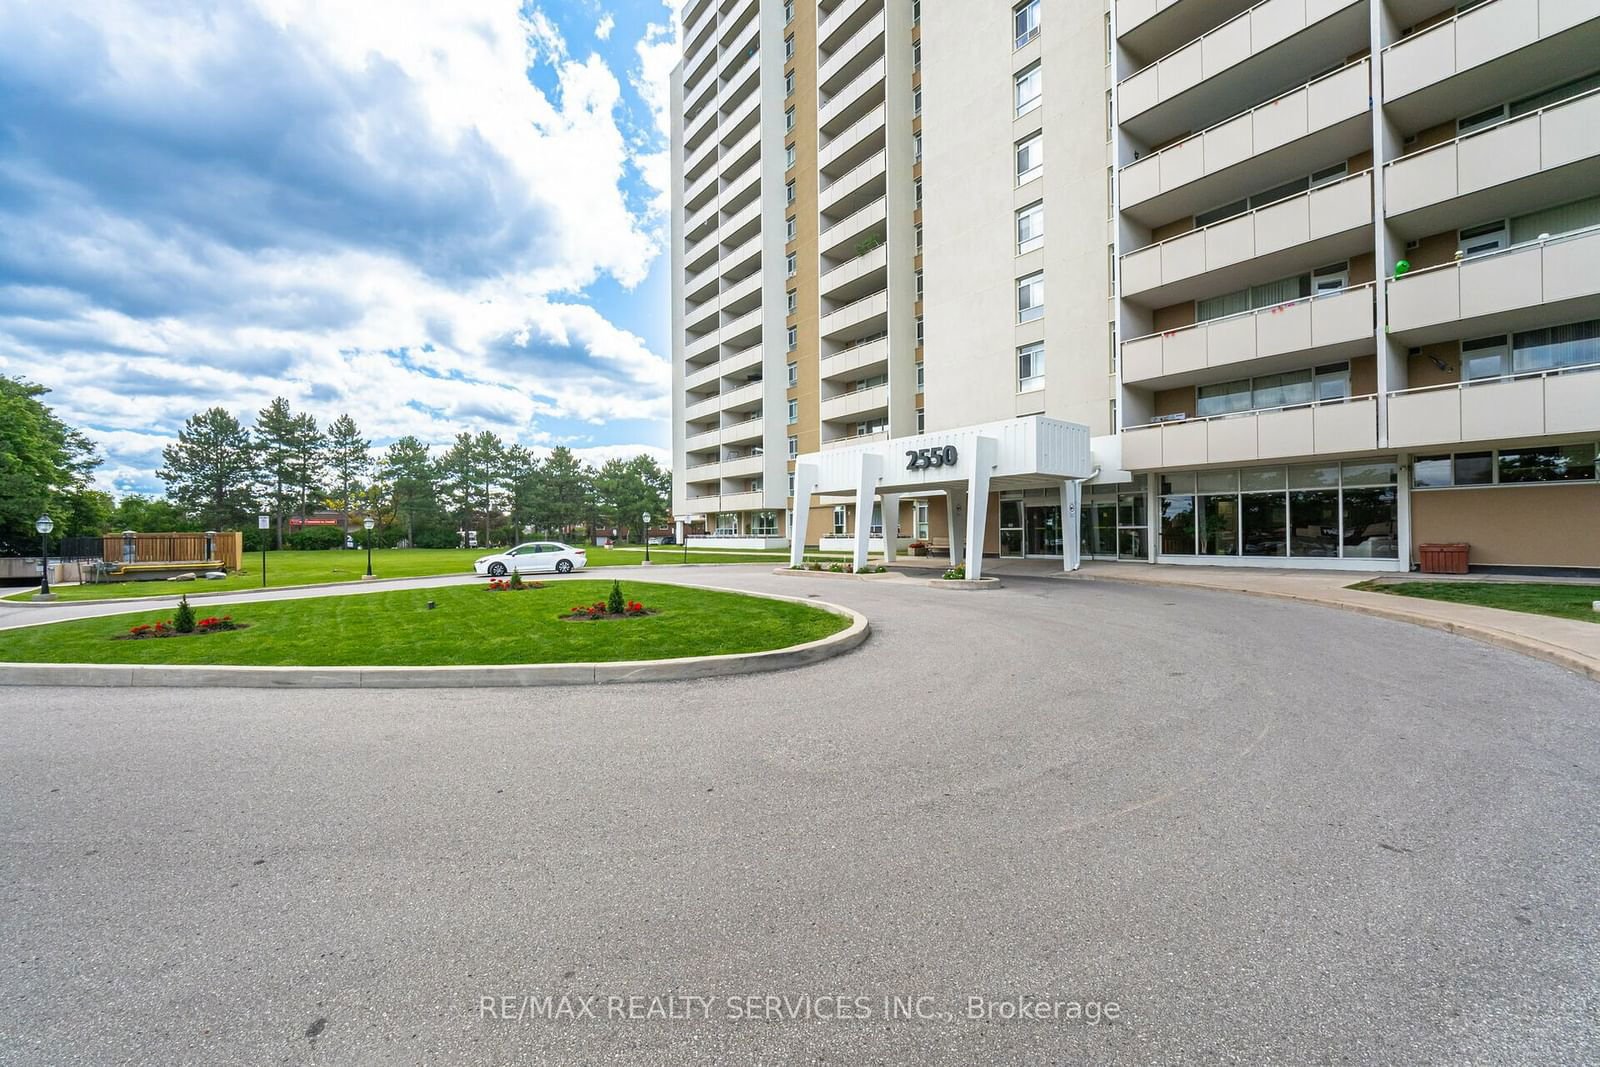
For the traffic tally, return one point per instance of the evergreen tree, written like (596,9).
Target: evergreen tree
(565,489)
(349,462)
(457,480)
(488,465)
(408,472)
(276,433)
(308,452)
(210,468)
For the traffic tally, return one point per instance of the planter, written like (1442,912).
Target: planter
(965,585)
(833,574)
(1444,558)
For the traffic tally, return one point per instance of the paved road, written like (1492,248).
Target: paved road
(1268,832)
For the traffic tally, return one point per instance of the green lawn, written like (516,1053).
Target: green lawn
(1534,598)
(336,565)
(470,625)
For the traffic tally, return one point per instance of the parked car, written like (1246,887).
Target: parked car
(531,558)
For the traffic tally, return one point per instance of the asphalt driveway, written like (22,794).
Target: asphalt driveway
(1265,832)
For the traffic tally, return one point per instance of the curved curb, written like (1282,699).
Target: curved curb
(468,677)
(183,589)
(1588,666)
(871,576)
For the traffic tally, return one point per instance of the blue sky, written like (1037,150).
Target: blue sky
(436,217)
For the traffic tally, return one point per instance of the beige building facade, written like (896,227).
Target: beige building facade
(1321,278)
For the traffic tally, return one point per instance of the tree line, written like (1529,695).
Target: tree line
(220,474)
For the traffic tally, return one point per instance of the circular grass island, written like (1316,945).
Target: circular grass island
(469,625)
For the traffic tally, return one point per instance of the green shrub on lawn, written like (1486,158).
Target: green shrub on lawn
(616,604)
(183,620)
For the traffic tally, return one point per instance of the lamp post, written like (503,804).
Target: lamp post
(367,524)
(647,537)
(44,526)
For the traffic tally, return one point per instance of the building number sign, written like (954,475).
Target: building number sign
(922,458)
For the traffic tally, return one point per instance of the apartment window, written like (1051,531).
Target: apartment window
(920,376)
(791,264)
(916,11)
(916,147)
(922,420)
(791,227)
(794,301)
(788,47)
(1108,37)
(1330,278)
(916,100)
(1111,115)
(794,450)
(1113,415)
(789,192)
(916,192)
(794,338)
(1328,382)
(1030,367)
(1490,237)
(788,119)
(788,11)
(1029,86)
(919,331)
(791,487)
(789,156)
(920,522)
(1030,227)
(764,524)
(794,411)
(1025,19)
(1111,339)
(919,285)
(919,238)
(840,521)
(794,375)
(916,55)
(1329,175)
(1481,120)
(1030,297)
(788,83)
(1030,158)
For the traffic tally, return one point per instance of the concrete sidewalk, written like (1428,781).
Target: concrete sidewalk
(1568,642)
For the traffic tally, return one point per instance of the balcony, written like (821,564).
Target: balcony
(849,190)
(699,318)
(701,254)
(832,25)
(740,361)
(1290,135)
(1526,285)
(1521,165)
(860,361)
(743,153)
(742,225)
(701,441)
(1223,71)
(868,315)
(1156,27)
(703,345)
(1327,327)
(696,66)
(835,71)
(1525,405)
(699,378)
(742,80)
(850,407)
(695,226)
(743,398)
(744,467)
(745,502)
(839,239)
(741,432)
(701,409)
(1331,427)
(742,260)
(742,331)
(842,107)
(839,150)
(856,277)
(1328,223)
(849,440)
(1485,55)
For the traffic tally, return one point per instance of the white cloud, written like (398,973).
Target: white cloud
(604,27)
(361,207)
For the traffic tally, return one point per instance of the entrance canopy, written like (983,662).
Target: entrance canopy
(965,464)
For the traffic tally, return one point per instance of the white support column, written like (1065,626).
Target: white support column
(1071,524)
(891,526)
(805,484)
(871,472)
(679,530)
(1402,497)
(955,509)
(985,450)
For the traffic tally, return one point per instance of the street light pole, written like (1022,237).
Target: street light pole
(368,524)
(44,526)
(647,537)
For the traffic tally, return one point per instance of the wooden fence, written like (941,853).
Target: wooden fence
(227,548)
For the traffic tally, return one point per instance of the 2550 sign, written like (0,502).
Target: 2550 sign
(922,458)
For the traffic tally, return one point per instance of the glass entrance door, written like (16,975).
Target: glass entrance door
(1011,527)
(1044,530)
(1098,529)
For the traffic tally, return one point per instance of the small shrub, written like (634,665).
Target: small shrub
(958,573)
(183,619)
(616,604)
(836,568)
(516,580)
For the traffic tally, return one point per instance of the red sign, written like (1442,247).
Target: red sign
(313,522)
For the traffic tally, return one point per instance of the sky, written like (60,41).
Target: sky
(437,217)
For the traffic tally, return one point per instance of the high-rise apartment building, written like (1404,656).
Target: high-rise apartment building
(1323,276)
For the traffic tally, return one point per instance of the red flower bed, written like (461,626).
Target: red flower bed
(597,610)
(213,625)
(506,585)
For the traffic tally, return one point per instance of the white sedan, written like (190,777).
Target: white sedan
(532,558)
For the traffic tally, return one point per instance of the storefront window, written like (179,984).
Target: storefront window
(1219,530)
(1177,525)
(1264,518)
(1550,463)
(1370,530)
(764,524)
(1314,522)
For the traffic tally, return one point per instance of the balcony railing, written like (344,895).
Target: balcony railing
(1484,32)
(1531,404)
(1317,321)
(1298,113)
(1325,427)
(1520,278)
(1553,136)
(1300,218)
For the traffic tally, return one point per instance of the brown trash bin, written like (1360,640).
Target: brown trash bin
(1444,559)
